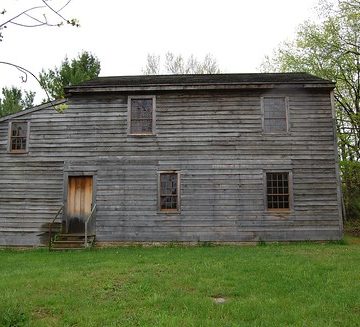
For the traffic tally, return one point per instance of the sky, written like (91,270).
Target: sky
(121,33)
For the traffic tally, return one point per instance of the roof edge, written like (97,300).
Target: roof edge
(33,109)
(199,81)
(195,86)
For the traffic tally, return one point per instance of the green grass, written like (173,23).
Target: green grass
(304,284)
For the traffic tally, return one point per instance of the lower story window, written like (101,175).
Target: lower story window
(169,192)
(277,191)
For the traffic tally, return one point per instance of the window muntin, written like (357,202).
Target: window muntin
(18,137)
(169,192)
(141,115)
(277,191)
(275,114)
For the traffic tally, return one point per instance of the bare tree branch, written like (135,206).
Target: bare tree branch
(56,12)
(72,21)
(37,22)
(24,77)
(177,64)
(20,14)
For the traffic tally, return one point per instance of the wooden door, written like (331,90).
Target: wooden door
(79,202)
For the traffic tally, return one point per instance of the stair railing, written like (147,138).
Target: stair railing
(52,223)
(86,225)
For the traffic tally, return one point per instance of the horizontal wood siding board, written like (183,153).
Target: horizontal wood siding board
(30,196)
(214,139)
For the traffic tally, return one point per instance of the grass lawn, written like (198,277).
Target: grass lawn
(304,284)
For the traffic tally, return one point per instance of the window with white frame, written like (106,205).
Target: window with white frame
(141,115)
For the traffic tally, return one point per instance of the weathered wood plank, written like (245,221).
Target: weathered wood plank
(214,139)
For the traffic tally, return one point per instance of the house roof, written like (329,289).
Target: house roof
(198,81)
(186,81)
(33,109)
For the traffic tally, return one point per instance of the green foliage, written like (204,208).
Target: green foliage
(61,107)
(205,244)
(350,171)
(14,100)
(339,242)
(352,227)
(331,49)
(85,67)
(261,243)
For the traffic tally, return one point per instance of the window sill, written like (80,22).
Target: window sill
(18,152)
(278,211)
(169,211)
(275,133)
(142,135)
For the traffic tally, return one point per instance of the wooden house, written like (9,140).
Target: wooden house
(227,157)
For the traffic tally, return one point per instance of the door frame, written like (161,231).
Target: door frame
(77,173)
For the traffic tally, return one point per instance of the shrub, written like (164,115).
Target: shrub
(350,174)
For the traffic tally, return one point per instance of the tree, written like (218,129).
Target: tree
(14,100)
(177,64)
(42,13)
(86,66)
(331,49)
(37,16)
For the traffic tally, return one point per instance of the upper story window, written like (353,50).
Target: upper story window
(275,114)
(141,115)
(169,191)
(278,191)
(19,137)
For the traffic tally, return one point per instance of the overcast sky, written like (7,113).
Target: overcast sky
(237,33)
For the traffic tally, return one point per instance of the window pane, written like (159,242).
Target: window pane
(141,126)
(18,136)
(168,183)
(19,129)
(141,115)
(168,202)
(169,191)
(277,190)
(274,115)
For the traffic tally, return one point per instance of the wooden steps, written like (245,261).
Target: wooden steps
(72,242)
(56,228)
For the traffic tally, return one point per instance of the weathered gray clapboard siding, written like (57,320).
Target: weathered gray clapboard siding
(30,195)
(213,138)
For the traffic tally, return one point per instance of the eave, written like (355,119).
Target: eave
(195,87)
(33,109)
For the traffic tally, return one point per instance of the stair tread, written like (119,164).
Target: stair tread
(69,241)
(72,241)
(68,245)
(75,234)
(67,249)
